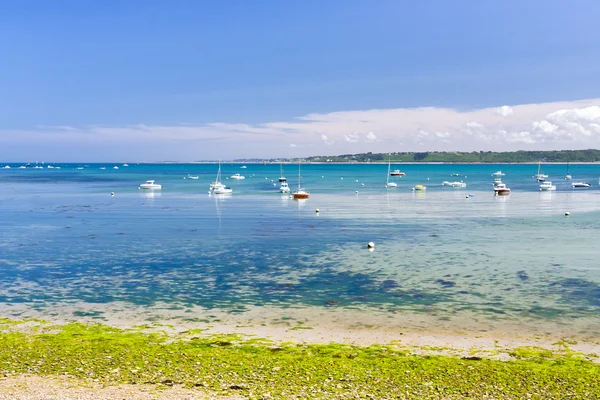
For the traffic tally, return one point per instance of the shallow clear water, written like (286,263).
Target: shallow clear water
(65,240)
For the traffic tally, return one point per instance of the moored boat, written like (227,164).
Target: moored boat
(150,185)
(501,189)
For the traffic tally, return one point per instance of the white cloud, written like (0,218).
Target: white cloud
(542,126)
(504,111)
(371,137)
(352,137)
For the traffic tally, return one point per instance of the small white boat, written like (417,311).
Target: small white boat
(38,167)
(6,167)
(243,167)
(568,175)
(456,185)
(501,189)
(79,167)
(102,167)
(284,187)
(49,167)
(389,184)
(217,183)
(115,167)
(419,188)
(237,176)
(547,186)
(397,172)
(194,177)
(498,173)
(126,165)
(150,185)
(580,185)
(222,190)
(22,167)
(540,177)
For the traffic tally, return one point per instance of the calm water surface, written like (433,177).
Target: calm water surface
(444,252)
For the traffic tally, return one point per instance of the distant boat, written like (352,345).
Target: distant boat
(547,186)
(115,167)
(150,185)
(243,167)
(284,187)
(102,167)
(79,167)
(501,189)
(389,184)
(6,167)
(397,172)
(194,177)
(456,185)
(237,176)
(300,193)
(498,173)
(568,175)
(540,177)
(126,165)
(217,183)
(580,185)
(281,176)
(418,188)
(455,174)
(222,190)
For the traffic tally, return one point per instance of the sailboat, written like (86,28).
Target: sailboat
(540,177)
(568,175)
(281,176)
(217,187)
(300,193)
(389,184)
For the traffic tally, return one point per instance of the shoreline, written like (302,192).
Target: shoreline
(425,334)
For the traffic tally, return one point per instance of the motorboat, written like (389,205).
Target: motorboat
(397,172)
(243,167)
(222,190)
(501,189)
(6,167)
(115,167)
(568,175)
(456,174)
(580,185)
(419,188)
(456,185)
(547,186)
(22,167)
(300,193)
(498,173)
(102,167)
(150,185)
(284,187)
(126,165)
(193,177)
(237,176)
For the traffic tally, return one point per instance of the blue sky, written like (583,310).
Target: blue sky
(187,80)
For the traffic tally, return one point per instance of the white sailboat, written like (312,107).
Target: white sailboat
(389,184)
(568,175)
(300,193)
(540,177)
(217,183)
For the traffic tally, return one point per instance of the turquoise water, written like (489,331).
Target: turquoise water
(64,240)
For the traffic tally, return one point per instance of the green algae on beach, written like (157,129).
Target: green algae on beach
(226,364)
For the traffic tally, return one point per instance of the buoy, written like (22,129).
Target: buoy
(139,188)
(112,193)
(317,211)
(467,196)
(567,213)
(371,245)
(356,191)
(362,184)
(274,184)
(356,180)
(342,178)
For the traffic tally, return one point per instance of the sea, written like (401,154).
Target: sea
(83,241)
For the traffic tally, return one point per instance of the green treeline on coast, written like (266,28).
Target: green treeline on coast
(520,156)
(260,369)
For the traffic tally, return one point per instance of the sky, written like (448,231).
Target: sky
(144,80)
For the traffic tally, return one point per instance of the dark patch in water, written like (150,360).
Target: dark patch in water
(522,275)
(579,291)
(445,283)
